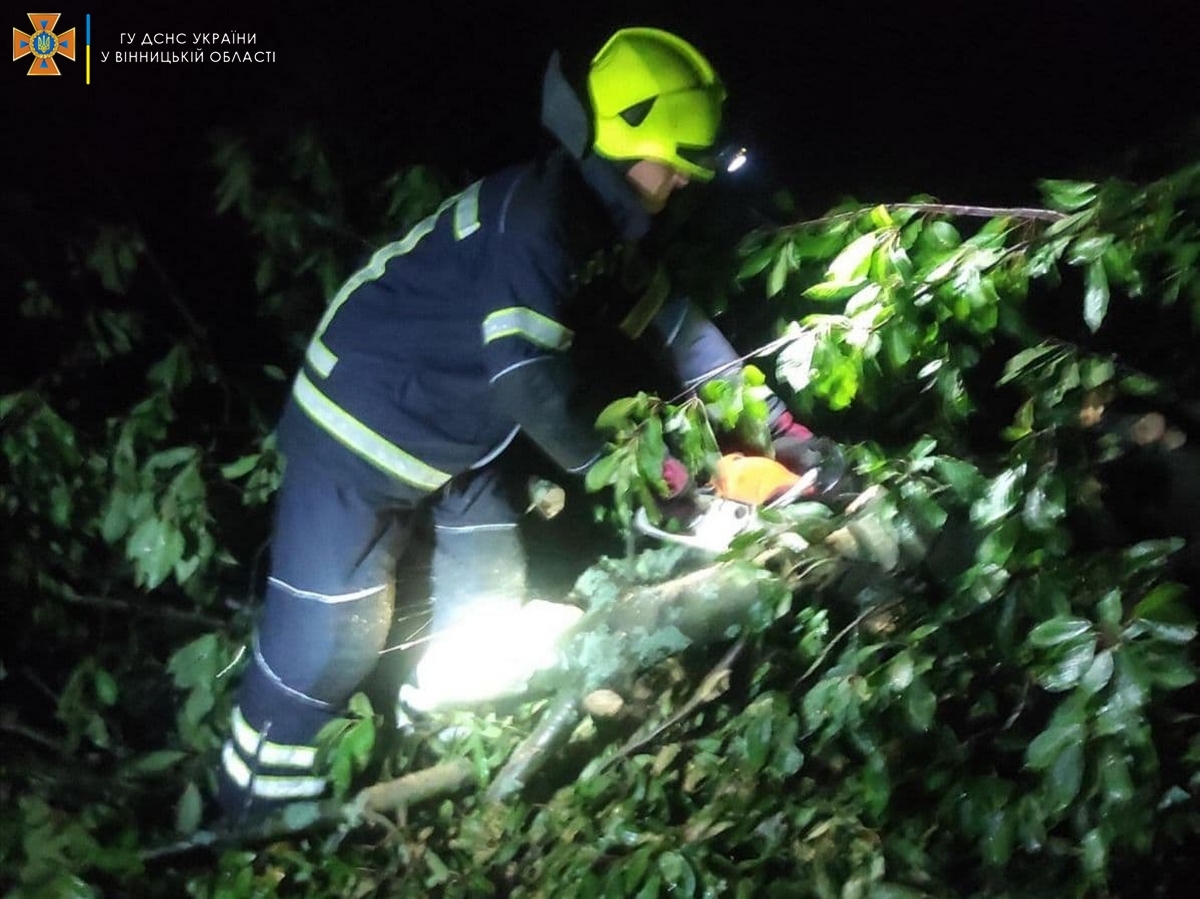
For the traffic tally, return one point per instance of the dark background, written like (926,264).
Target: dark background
(968,101)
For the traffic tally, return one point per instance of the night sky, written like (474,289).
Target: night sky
(970,102)
(861,98)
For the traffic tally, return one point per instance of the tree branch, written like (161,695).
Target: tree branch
(709,689)
(365,808)
(1021,212)
(844,632)
(419,786)
(129,607)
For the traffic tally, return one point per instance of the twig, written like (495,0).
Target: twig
(844,632)
(1022,212)
(705,692)
(29,733)
(1016,712)
(132,608)
(37,681)
(173,295)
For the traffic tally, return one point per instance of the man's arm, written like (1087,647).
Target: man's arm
(700,352)
(525,350)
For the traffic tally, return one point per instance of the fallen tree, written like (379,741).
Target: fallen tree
(980,684)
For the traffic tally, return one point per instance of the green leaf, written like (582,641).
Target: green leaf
(603,472)
(852,264)
(1084,250)
(998,545)
(1046,747)
(1058,630)
(438,872)
(962,477)
(1045,504)
(920,704)
(832,290)
(106,687)
(197,663)
(1095,297)
(677,874)
(1165,603)
(1109,609)
(779,275)
(1115,779)
(1067,671)
(999,499)
(241,467)
(1095,855)
(619,414)
(897,345)
(1099,673)
(651,450)
(939,236)
(1067,196)
(758,260)
(154,548)
(1177,634)
(881,217)
(156,762)
(1096,372)
(1029,360)
(359,741)
(189,810)
(1022,425)
(900,671)
(1065,776)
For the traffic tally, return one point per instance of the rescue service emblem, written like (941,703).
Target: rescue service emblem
(44,44)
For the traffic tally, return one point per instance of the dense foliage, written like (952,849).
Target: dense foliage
(990,698)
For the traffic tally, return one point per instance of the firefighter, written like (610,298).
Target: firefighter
(427,363)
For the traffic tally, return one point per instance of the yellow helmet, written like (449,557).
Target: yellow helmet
(654,96)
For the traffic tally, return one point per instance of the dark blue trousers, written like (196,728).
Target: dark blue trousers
(336,552)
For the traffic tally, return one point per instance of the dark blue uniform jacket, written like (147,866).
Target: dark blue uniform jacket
(450,340)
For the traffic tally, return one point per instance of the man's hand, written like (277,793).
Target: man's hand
(679,502)
(796,448)
(676,476)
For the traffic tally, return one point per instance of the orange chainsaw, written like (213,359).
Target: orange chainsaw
(714,515)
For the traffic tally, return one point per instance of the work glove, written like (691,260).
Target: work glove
(679,502)
(796,448)
(678,479)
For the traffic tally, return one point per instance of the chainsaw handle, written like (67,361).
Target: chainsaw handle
(797,490)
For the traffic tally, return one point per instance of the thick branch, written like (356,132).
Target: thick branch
(555,725)
(429,783)
(390,796)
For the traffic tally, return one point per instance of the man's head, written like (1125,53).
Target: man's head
(653,105)
(656,103)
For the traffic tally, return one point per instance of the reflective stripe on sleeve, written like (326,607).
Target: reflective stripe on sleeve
(277,755)
(373,447)
(269,786)
(521,321)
